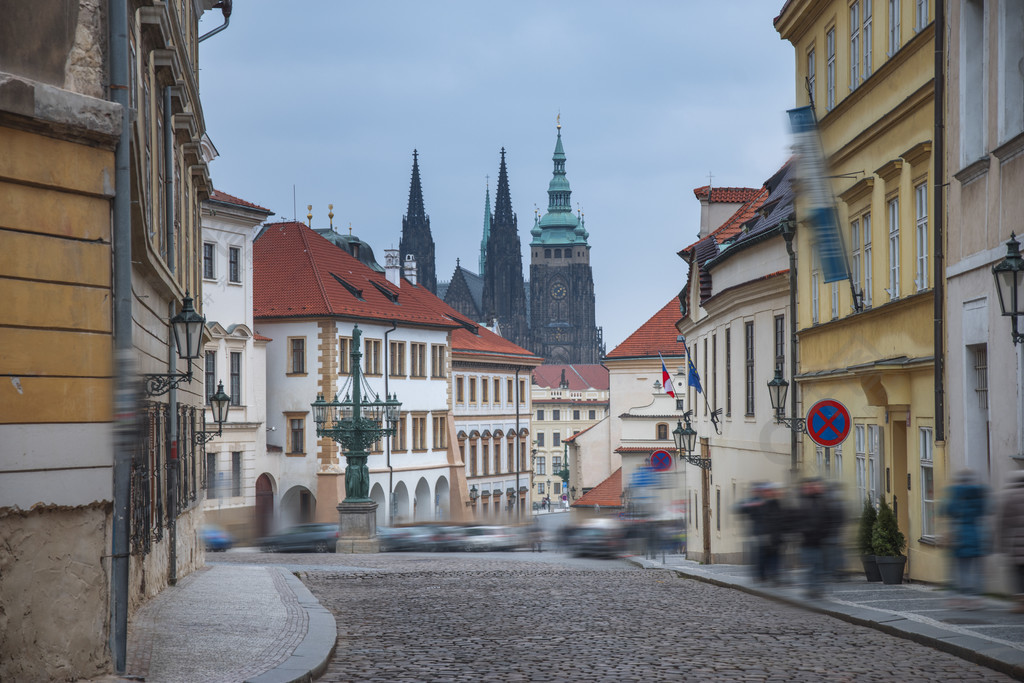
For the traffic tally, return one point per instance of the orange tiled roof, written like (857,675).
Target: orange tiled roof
(580,377)
(226,198)
(607,494)
(657,335)
(580,433)
(259,337)
(726,195)
(299,274)
(487,342)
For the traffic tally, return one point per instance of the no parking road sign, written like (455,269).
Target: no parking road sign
(661,461)
(828,423)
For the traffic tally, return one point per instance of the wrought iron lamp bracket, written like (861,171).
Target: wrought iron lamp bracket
(797,424)
(160,384)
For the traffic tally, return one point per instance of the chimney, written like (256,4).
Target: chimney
(391,267)
(410,268)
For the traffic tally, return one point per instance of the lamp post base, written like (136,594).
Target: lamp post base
(357,528)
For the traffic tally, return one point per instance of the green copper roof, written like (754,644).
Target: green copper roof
(559,225)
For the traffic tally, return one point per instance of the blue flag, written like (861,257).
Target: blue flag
(694,378)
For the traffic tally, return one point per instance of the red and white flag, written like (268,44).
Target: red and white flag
(666,379)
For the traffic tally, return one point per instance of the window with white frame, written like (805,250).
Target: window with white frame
(209,267)
(855,242)
(835,300)
(894,26)
(861,456)
(748,333)
(920,14)
(837,462)
(874,462)
(814,296)
(865,36)
(894,247)
(855,44)
(830,69)
(810,73)
(540,467)
(973,61)
(927,482)
(921,233)
(868,264)
(234,264)
(235,370)
(211,375)
(1011,56)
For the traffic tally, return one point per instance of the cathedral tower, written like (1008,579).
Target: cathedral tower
(504,296)
(562,315)
(416,238)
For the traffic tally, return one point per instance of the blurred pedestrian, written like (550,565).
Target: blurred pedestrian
(833,546)
(1010,530)
(767,526)
(817,525)
(536,537)
(966,506)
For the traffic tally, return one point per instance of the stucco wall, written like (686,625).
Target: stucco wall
(54,596)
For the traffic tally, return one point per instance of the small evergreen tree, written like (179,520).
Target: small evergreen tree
(866,528)
(886,538)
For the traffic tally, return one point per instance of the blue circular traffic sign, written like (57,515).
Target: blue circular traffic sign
(828,423)
(661,461)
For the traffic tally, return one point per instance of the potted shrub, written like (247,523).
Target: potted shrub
(888,543)
(864,546)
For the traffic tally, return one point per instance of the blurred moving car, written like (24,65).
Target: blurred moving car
(308,538)
(598,538)
(489,538)
(396,539)
(216,539)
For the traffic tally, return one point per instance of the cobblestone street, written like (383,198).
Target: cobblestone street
(525,616)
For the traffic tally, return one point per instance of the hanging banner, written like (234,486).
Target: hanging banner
(821,208)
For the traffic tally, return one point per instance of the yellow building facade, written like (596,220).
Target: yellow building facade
(75,193)
(867,67)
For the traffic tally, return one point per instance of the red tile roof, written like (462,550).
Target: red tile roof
(259,337)
(580,433)
(607,494)
(226,198)
(656,335)
(726,195)
(299,274)
(579,377)
(485,342)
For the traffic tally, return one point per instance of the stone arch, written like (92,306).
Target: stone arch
(378,497)
(443,496)
(298,506)
(263,512)
(423,503)
(402,503)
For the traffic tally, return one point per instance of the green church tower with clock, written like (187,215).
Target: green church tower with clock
(562,315)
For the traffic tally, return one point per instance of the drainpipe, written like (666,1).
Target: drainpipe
(387,441)
(938,151)
(518,446)
(225,7)
(125,387)
(788,233)
(172,395)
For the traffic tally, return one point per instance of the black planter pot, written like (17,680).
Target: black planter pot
(871,572)
(891,568)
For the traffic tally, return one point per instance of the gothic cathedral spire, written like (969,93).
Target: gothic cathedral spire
(504,297)
(562,308)
(487,231)
(416,238)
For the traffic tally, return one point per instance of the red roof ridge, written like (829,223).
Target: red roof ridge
(221,196)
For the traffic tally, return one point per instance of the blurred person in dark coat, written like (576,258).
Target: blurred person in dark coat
(966,506)
(1010,530)
(818,526)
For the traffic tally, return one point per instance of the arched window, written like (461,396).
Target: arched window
(662,430)
(558,253)
(547,253)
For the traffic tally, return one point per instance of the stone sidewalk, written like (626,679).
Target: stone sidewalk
(989,634)
(231,623)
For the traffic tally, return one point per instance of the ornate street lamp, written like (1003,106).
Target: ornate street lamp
(778,387)
(356,424)
(1008,274)
(187,329)
(220,403)
(686,441)
(473,493)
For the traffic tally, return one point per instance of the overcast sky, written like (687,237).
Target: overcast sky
(331,98)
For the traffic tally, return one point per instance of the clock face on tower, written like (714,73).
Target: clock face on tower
(558,291)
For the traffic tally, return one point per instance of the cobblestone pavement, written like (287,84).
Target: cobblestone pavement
(524,616)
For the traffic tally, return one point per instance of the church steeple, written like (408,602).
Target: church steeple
(504,296)
(487,230)
(416,238)
(559,225)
